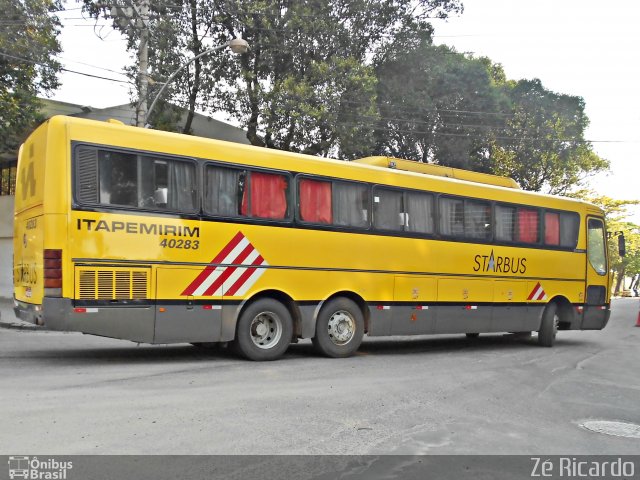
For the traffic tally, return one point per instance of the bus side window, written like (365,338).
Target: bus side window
(118,174)
(451,216)
(419,209)
(388,213)
(315,201)
(222,191)
(167,184)
(350,204)
(552,228)
(505,223)
(266,196)
(528,222)
(569,228)
(477,220)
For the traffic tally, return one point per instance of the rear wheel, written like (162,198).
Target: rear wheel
(264,330)
(339,328)
(549,325)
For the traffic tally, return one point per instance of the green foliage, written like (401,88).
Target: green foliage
(542,146)
(350,78)
(28,42)
(429,100)
(307,82)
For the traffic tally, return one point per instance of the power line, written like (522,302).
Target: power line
(64,69)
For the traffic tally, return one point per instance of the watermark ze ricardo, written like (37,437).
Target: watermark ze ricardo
(36,469)
(572,467)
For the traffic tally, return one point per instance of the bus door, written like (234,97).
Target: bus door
(596,312)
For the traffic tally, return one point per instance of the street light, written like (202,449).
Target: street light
(237,46)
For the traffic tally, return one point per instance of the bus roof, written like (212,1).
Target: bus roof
(439,170)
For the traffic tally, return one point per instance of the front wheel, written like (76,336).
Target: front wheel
(264,330)
(339,328)
(549,325)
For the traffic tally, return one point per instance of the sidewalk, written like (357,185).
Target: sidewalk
(9,320)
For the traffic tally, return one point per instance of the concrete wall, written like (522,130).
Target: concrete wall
(6,246)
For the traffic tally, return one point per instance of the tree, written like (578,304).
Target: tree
(436,105)
(308,80)
(543,145)
(28,44)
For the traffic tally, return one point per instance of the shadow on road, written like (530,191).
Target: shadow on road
(130,353)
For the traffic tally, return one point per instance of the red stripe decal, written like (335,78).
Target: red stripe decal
(217,259)
(533,292)
(228,271)
(244,277)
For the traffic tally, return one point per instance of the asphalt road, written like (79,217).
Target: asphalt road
(66,393)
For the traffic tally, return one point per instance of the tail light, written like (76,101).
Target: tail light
(52,260)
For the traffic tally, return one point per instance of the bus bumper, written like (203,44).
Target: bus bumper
(135,323)
(28,312)
(596,317)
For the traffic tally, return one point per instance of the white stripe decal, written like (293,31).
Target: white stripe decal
(213,276)
(257,273)
(235,275)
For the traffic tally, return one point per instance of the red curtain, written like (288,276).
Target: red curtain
(268,196)
(527,225)
(552,229)
(315,201)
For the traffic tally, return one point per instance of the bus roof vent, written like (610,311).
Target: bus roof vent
(439,171)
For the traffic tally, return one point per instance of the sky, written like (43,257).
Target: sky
(575,47)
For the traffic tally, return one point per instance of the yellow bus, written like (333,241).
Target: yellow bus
(162,238)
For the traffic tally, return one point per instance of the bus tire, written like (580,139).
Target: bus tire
(264,330)
(339,328)
(549,325)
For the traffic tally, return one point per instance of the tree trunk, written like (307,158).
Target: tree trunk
(619,281)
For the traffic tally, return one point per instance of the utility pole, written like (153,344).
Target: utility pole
(143,63)
(136,17)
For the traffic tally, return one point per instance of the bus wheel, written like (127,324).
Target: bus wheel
(339,328)
(264,330)
(549,326)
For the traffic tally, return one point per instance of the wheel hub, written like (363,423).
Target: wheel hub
(266,330)
(342,327)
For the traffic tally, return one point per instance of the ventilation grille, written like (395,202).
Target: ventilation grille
(112,283)
(87,174)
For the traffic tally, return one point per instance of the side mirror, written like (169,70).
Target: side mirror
(622,248)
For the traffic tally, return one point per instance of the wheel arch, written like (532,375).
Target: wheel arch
(565,311)
(231,314)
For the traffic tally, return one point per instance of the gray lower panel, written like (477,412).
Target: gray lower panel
(380,321)
(459,319)
(127,323)
(188,323)
(413,321)
(518,318)
(444,319)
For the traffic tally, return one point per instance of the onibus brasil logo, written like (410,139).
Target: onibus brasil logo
(37,469)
